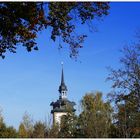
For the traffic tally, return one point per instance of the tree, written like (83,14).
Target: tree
(6,132)
(40,130)
(10,132)
(126,94)
(126,80)
(95,118)
(1,117)
(54,131)
(22,133)
(28,124)
(20,27)
(68,126)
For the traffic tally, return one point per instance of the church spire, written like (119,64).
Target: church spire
(62,88)
(62,76)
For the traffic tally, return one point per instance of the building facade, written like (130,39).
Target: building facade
(62,105)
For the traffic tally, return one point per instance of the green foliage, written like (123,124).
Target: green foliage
(114,131)
(95,118)
(128,120)
(18,26)
(28,124)
(40,130)
(54,131)
(126,84)
(22,133)
(68,126)
(10,132)
(2,130)
(6,132)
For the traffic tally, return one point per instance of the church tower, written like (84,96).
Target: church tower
(62,105)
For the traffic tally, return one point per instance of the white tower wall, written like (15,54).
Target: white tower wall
(57,117)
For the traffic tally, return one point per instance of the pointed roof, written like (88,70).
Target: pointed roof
(62,85)
(62,77)
(62,105)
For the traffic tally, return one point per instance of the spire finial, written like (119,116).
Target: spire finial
(62,64)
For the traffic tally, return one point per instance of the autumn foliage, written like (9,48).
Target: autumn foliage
(21,21)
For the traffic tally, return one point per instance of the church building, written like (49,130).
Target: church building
(62,105)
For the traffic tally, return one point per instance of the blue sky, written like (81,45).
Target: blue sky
(30,81)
